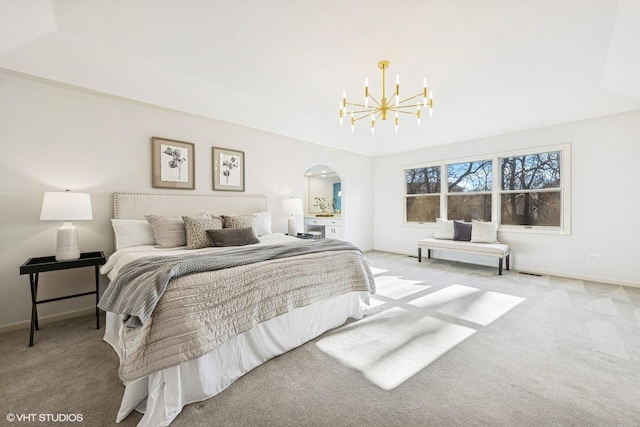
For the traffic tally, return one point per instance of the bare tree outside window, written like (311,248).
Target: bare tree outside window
(531,190)
(469,186)
(470,176)
(423,194)
(423,180)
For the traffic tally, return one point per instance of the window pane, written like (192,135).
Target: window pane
(531,171)
(468,207)
(470,176)
(423,208)
(423,180)
(532,208)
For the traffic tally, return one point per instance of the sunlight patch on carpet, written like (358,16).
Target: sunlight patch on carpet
(392,346)
(481,309)
(375,270)
(395,288)
(443,296)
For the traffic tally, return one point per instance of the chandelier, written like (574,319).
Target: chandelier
(381,109)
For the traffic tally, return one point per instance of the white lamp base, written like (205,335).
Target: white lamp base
(67,248)
(293,228)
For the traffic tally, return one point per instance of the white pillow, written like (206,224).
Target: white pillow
(260,222)
(132,232)
(484,232)
(444,229)
(263,223)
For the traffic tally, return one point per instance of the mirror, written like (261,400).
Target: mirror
(324,191)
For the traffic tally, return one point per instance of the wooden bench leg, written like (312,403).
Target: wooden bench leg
(429,253)
(508,261)
(500,266)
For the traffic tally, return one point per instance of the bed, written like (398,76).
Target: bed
(208,327)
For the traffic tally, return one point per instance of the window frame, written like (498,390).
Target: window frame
(497,192)
(448,193)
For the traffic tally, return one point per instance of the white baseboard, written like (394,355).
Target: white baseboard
(48,319)
(606,280)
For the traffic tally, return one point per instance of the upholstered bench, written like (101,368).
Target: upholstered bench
(495,250)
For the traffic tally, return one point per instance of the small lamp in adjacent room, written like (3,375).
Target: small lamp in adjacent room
(294,207)
(66,206)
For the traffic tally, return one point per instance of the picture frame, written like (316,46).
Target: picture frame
(228,169)
(173,164)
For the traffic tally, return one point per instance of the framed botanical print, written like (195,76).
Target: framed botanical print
(228,169)
(173,164)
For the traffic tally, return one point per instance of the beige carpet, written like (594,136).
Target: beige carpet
(445,344)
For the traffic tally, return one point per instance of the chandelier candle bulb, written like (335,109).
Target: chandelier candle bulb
(366,92)
(430,103)
(418,113)
(424,92)
(397,119)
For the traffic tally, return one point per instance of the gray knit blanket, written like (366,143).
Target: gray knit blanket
(136,290)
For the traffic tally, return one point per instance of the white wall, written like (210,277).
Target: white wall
(54,138)
(605,168)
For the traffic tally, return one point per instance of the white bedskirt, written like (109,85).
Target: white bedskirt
(162,395)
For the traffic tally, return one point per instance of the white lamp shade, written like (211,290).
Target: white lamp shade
(292,206)
(66,206)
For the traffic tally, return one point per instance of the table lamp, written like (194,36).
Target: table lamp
(294,207)
(66,206)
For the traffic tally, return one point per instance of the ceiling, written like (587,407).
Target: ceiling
(495,66)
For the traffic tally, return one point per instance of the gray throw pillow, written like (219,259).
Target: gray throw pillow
(233,237)
(461,231)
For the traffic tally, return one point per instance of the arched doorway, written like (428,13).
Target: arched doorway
(323,202)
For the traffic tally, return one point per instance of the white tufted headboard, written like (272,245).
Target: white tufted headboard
(137,205)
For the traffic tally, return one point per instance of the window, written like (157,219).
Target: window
(531,191)
(423,194)
(469,188)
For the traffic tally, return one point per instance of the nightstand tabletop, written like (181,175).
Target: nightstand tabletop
(49,263)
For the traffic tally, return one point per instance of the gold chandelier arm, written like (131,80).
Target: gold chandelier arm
(413,97)
(374,100)
(365,112)
(355,104)
(398,108)
(364,116)
(403,112)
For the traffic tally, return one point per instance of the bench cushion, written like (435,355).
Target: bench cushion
(496,250)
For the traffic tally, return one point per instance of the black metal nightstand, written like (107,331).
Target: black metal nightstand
(34,266)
